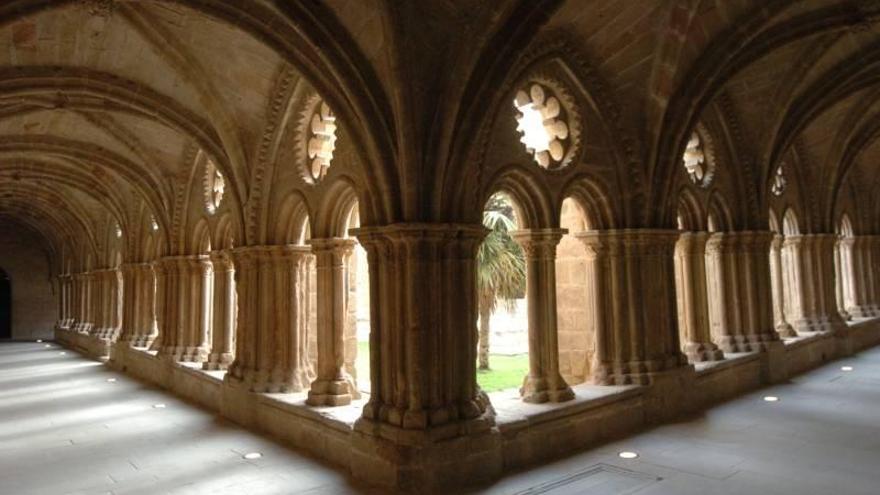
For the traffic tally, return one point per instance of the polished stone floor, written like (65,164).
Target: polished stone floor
(66,429)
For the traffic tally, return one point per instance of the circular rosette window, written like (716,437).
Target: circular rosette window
(777,187)
(317,139)
(215,186)
(545,127)
(698,159)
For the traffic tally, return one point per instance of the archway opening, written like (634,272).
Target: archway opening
(503,342)
(357,315)
(5,306)
(577,335)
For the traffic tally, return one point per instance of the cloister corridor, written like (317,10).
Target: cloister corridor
(66,429)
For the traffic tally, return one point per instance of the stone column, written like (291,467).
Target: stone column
(98,300)
(842,278)
(814,288)
(160,274)
(271,351)
(423,317)
(65,316)
(869,273)
(777,278)
(138,315)
(75,300)
(426,417)
(632,272)
(115,295)
(223,335)
(543,382)
(741,312)
(85,323)
(858,277)
(333,385)
(693,304)
(187,307)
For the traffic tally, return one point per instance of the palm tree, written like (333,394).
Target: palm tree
(501,270)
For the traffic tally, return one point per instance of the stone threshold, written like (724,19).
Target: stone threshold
(731,360)
(511,413)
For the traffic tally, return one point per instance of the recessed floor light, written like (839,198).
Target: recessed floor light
(771,398)
(111,380)
(158,406)
(39,341)
(252,455)
(846,368)
(62,353)
(627,455)
(47,346)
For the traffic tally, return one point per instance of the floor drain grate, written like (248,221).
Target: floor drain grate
(599,478)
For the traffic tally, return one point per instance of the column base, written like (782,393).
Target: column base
(270,382)
(537,390)
(218,361)
(142,341)
(860,312)
(636,372)
(332,392)
(427,460)
(698,352)
(747,343)
(785,330)
(184,354)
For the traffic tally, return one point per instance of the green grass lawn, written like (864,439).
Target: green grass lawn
(505,371)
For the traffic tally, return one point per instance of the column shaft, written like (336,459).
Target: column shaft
(633,274)
(185,324)
(271,347)
(333,385)
(693,304)
(543,382)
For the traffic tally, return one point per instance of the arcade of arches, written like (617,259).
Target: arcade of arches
(223,196)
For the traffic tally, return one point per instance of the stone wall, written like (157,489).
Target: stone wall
(34,301)
(576,337)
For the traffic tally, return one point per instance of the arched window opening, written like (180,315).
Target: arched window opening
(693,277)
(5,306)
(357,325)
(712,223)
(844,280)
(790,223)
(502,355)
(577,332)
(224,301)
(789,270)
(777,279)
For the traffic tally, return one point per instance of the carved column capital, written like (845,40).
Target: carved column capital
(538,243)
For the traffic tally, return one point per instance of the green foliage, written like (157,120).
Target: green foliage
(501,266)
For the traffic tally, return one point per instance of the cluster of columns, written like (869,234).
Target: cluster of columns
(139,327)
(91,303)
(249,309)
(858,286)
(729,302)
